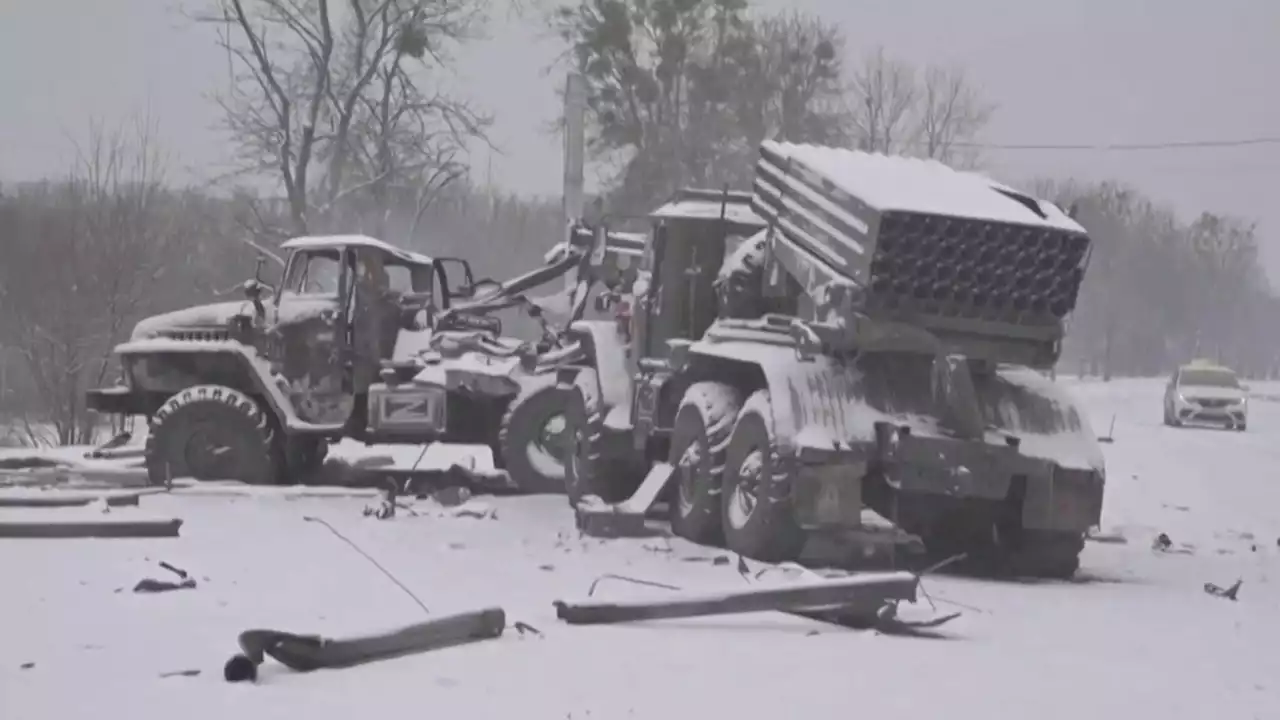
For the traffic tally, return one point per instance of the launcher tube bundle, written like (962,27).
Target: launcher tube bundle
(985,269)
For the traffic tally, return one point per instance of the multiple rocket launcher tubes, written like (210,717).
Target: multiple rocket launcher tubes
(906,239)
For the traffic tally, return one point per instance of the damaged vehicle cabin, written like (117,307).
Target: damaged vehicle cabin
(254,390)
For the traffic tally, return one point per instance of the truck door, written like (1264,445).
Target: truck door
(310,332)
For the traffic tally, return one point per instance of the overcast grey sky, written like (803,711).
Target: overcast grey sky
(1089,71)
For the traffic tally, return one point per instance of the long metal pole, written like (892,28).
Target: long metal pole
(575,111)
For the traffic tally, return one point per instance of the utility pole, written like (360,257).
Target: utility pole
(575,111)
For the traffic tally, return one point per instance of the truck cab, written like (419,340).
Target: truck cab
(293,362)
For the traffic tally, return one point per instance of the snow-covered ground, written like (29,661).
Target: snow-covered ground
(1138,637)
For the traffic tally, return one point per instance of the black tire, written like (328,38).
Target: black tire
(532,466)
(211,432)
(758,519)
(588,470)
(697,453)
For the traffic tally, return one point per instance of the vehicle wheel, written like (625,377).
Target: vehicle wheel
(587,469)
(756,496)
(698,441)
(210,432)
(1242,427)
(1046,554)
(530,436)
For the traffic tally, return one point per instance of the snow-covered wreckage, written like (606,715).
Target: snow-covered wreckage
(879,340)
(255,390)
(361,340)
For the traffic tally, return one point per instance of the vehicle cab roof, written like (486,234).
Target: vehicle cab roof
(329,242)
(698,204)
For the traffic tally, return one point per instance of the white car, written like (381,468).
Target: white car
(1206,393)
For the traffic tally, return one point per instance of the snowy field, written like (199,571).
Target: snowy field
(1136,637)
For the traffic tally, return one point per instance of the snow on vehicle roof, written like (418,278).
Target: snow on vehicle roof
(892,182)
(320,242)
(737,210)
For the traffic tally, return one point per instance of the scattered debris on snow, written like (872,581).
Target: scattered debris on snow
(864,593)
(1227,593)
(304,653)
(151,585)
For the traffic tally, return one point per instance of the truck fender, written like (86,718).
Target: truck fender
(820,397)
(255,369)
(609,353)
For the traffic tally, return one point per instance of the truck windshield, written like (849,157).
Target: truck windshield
(314,272)
(1209,378)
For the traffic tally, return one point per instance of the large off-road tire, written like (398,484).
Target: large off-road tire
(757,514)
(211,432)
(528,438)
(588,469)
(697,453)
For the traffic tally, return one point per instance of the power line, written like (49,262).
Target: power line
(1128,147)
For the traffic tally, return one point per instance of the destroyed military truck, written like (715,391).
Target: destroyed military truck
(256,390)
(465,385)
(878,342)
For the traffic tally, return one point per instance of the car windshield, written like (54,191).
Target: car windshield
(1209,378)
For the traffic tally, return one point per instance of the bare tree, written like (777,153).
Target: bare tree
(897,108)
(1159,292)
(950,111)
(335,101)
(81,259)
(884,96)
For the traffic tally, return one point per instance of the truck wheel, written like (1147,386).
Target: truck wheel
(210,432)
(529,436)
(1047,554)
(756,497)
(587,470)
(698,442)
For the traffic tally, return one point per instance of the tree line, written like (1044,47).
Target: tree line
(340,107)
